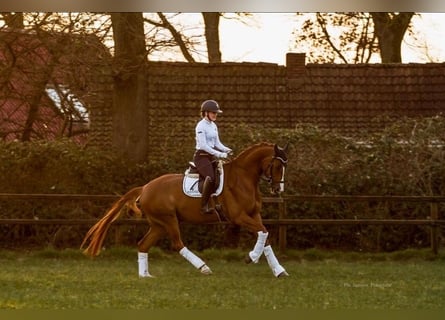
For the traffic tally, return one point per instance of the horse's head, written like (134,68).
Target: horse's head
(274,170)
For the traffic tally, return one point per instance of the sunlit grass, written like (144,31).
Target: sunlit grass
(51,279)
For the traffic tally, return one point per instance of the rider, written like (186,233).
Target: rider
(208,148)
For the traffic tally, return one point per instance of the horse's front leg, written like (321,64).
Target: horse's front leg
(255,254)
(275,266)
(262,246)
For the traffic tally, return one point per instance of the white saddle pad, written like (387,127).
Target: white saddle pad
(190,184)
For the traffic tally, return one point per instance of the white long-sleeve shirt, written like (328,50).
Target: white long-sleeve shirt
(207,138)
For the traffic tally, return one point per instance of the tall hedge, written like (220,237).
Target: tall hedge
(405,159)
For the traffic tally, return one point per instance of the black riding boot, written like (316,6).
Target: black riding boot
(206,192)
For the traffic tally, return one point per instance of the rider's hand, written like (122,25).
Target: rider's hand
(223,155)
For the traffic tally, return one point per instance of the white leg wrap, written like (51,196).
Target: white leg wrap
(192,258)
(277,269)
(143,265)
(257,251)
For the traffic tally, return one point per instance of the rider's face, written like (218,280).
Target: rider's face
(212,115)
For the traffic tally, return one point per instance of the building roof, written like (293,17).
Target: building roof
(35,66)
(349,99)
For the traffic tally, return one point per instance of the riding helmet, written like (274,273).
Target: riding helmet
(210,105)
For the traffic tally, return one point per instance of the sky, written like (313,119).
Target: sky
(271,39)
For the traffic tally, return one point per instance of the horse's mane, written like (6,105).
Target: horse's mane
(250,148)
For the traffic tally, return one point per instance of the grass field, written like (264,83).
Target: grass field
(65,279)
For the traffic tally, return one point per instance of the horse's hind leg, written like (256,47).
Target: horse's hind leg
(172,228)
(196,261)
(151,237)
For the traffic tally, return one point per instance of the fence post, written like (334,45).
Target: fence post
(282,228)
(117,235)
(434,215)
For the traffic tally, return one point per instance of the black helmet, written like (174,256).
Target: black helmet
(210,105)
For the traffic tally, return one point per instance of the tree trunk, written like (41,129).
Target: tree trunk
(211,22)
(390,30)
(34,99)
(130,115)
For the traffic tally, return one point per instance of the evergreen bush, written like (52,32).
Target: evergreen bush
(404,159)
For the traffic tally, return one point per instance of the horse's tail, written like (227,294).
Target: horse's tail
(96,234)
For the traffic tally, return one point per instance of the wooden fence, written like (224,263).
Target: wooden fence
(282,221)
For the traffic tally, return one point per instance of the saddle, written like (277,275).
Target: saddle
(191,181)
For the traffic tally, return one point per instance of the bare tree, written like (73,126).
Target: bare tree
(21,61)
(353,37)
(190,39)
(211,24)
(130,133)
(390,29)
(40,52)
(13,19)
(129,37)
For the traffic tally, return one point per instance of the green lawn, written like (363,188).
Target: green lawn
(50,279)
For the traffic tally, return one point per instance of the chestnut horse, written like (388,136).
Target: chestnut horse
(164,204)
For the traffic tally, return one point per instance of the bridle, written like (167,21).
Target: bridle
(269,177)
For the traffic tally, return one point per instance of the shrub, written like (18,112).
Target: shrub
(404,159)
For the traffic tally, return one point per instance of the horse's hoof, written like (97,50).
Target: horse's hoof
(247,259)
(146,275)
(283,274)
(205,270)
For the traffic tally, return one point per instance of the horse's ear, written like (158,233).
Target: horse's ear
(286,147)
(277,149)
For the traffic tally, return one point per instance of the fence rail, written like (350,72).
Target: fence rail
(433,221)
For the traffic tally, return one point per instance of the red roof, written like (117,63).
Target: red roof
(29,66)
